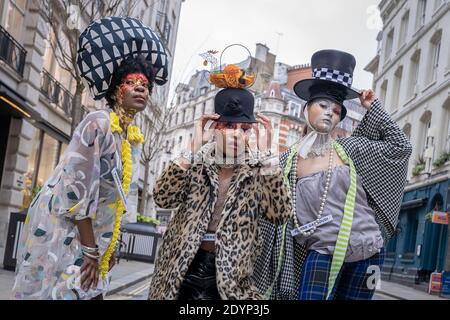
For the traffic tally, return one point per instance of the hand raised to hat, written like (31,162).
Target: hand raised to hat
(264,141)
(201,136)
(367,97)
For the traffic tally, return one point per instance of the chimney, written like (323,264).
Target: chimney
(261,52)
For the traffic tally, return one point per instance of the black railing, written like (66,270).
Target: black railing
(56,93)
(11,51)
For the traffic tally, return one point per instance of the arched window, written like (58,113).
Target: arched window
(435,51)
(446,127)
(426,140)
(407,130)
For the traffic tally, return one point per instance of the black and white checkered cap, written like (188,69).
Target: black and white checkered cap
(107,42)
(343,78)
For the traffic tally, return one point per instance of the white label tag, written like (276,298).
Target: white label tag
(209,237)
(119,187)
(309,226)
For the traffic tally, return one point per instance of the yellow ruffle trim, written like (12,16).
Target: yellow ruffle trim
(134,136)
(127,166)
(115,123)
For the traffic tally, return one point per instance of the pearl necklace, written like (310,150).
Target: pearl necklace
(323,199)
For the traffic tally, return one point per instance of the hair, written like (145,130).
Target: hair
(129,65)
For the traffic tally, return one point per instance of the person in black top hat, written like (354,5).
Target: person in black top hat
(221,193)
(346,193)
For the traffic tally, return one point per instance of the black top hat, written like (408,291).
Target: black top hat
(332,78)
(235,105)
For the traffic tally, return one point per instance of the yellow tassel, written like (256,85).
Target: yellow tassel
(115,124)
(135,135)
(127,165)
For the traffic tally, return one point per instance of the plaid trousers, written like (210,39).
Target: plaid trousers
(352,282)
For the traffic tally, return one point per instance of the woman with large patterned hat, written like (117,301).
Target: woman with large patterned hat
(72,227)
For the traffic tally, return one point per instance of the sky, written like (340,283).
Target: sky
(292,29)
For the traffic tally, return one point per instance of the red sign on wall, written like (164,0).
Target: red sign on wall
(439,217)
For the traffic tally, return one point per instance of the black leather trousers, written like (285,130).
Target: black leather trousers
(200,280)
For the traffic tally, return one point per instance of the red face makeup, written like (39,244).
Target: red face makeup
(133,92)
(133,80)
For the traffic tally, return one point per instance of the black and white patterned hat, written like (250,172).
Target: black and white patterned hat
(332,78)
(108,41)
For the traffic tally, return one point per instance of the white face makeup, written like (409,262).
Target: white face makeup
(323,115)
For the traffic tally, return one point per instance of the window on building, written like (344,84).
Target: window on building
(176,119)
(403,29)
(45,154)
(421,13)
(15,18)
(389,44)
(412,224)
(447,123)
(426,141)
(383,92)
(435,55)
(414,74)
(407,131)
(167,30)
(294,109)
(292,136)
(139,198)
(162,5)
(49,158)
(204,107)
(33,164)
(396,88)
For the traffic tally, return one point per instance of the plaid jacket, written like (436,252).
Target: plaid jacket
(380,151)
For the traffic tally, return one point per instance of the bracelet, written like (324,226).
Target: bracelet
(91,256)
(89,249)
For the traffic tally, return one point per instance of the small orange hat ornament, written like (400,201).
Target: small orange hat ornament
(232,76)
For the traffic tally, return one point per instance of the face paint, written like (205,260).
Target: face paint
(129,84)
(232,137)
(324,115)
(131,97)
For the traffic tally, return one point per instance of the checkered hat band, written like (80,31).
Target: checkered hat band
(333,75)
